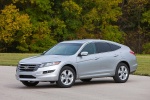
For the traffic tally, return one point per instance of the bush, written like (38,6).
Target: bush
(146,48)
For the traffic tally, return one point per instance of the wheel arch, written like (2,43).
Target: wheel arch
(125,62)
(70,65)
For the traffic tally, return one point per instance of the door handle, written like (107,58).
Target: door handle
(116,55)
(96,58)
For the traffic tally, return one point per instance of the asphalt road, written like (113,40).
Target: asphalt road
(137,88)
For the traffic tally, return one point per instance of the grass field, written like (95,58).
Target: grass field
(143,65)
(12,59)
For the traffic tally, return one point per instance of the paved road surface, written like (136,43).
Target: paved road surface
(137,88)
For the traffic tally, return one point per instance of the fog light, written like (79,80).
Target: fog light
(48,71)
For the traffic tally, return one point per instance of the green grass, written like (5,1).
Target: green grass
(143,65)
(12,59)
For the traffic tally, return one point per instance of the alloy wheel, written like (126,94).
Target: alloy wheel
(67,77)
(123,73)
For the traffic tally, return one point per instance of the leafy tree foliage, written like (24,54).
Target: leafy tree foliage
(133,23)
(14,28)
(41,39)
(146,27)
(36,25)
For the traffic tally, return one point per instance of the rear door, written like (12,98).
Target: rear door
(108,58)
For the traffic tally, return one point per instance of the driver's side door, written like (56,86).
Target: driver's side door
(88,66)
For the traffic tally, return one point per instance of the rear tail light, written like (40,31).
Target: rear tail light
(132,52)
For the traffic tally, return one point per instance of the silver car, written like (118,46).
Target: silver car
(78,59)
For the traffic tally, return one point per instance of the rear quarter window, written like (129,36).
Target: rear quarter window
(102,47)
(114,47)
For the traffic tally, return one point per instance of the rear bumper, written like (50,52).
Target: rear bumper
(133,68)
(132,72)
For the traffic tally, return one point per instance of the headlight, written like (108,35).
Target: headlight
(17,67)
(50,64)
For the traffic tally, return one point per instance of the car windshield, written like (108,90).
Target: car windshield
(64,49)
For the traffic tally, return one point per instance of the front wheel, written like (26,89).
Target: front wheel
(122,73)
(29,83)
(66,77)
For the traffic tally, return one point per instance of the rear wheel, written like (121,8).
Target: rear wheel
(122,73)
(29,83)
(66,77)
(86,80)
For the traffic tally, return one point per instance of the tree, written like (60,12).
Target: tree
(146,27)
(71,16)
(99,18)
(130,23)
(36,25)
(42,39)
(15,28)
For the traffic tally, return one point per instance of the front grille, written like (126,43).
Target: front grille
(26,76)
(28,67)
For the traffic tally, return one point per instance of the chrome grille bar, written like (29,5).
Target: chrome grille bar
(28,67)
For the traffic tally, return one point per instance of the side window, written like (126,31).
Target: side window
(114,47)
(90,48)
(102,47)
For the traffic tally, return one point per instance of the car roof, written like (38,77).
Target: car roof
(91,40)
(80,41)
(86,41)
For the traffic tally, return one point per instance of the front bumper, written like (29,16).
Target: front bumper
(39,74)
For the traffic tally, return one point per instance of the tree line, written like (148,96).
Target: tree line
(36,25)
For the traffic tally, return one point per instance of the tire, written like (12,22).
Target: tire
(66,77)
(122,73)
(29,83)
(86,80)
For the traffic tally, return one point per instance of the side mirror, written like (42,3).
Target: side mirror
(43,53)
(84,53)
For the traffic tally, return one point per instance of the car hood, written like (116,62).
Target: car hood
(43,58)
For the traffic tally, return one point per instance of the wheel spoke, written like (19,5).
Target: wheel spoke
(125,71)
(122,68)
(120,76)
(64,72)
(119,71)
(123,76)
(70,78)
(66,82)
(62,78)
(69,73)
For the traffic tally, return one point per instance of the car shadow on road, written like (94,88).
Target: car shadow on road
(78,83)
(94,82)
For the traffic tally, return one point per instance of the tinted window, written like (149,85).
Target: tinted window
(114,47)
(102,47)
(90,48)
